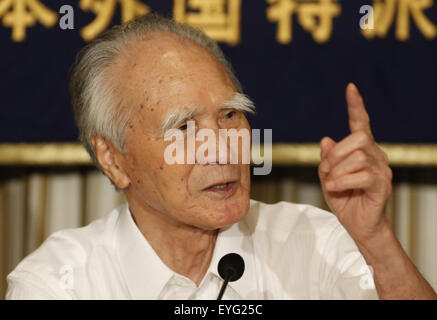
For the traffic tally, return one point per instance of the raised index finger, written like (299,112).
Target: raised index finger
(358,117)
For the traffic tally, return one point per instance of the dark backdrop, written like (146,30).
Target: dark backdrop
(298,87)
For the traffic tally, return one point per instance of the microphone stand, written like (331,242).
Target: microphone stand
(228,276)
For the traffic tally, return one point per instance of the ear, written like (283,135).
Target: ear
(109,159)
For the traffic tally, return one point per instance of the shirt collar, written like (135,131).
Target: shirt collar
(236,239)
(143,270)
(146,274)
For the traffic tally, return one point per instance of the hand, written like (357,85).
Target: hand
(355,175)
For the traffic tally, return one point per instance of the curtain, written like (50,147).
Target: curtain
(35,202)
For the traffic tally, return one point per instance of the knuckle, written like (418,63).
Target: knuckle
(367,177)
(390,173)
(361,156)
(323,167)
(330,184)
(333,155)
(336,172)
(386,171)
(320,170)
(363,137)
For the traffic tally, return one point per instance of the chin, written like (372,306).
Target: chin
(228,213)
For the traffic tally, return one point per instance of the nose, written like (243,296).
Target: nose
(222,146)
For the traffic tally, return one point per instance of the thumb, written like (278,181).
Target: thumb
(326,145)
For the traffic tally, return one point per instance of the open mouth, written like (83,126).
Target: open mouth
(226,188)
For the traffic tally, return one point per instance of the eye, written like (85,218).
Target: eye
(183,127)
(230,114)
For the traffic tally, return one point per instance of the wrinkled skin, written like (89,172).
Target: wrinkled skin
(169,202)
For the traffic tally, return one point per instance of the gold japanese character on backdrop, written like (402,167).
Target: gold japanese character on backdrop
(315,16)
(384,13)
(104,11)
(20,14)
(219,19)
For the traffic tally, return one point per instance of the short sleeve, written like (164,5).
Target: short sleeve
(28,287)
(343,272)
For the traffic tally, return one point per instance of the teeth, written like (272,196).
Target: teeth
(221,186)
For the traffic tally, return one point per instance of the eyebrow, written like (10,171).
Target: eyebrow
(240,102)
(177,118)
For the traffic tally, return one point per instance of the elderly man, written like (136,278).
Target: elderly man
(152,74)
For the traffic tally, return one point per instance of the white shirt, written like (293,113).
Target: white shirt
(291,251)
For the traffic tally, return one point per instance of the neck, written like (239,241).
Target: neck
(186,250)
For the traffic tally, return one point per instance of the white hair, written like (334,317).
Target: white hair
(98,111)
(240,102)
(176,118)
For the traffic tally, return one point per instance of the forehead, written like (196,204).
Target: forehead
(163,72)
(164,59)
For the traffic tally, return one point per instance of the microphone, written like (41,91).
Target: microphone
(230,268)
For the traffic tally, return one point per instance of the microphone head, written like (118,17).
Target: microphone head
(232,266)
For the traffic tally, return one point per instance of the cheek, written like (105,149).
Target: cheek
(245,175)
(172,180)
